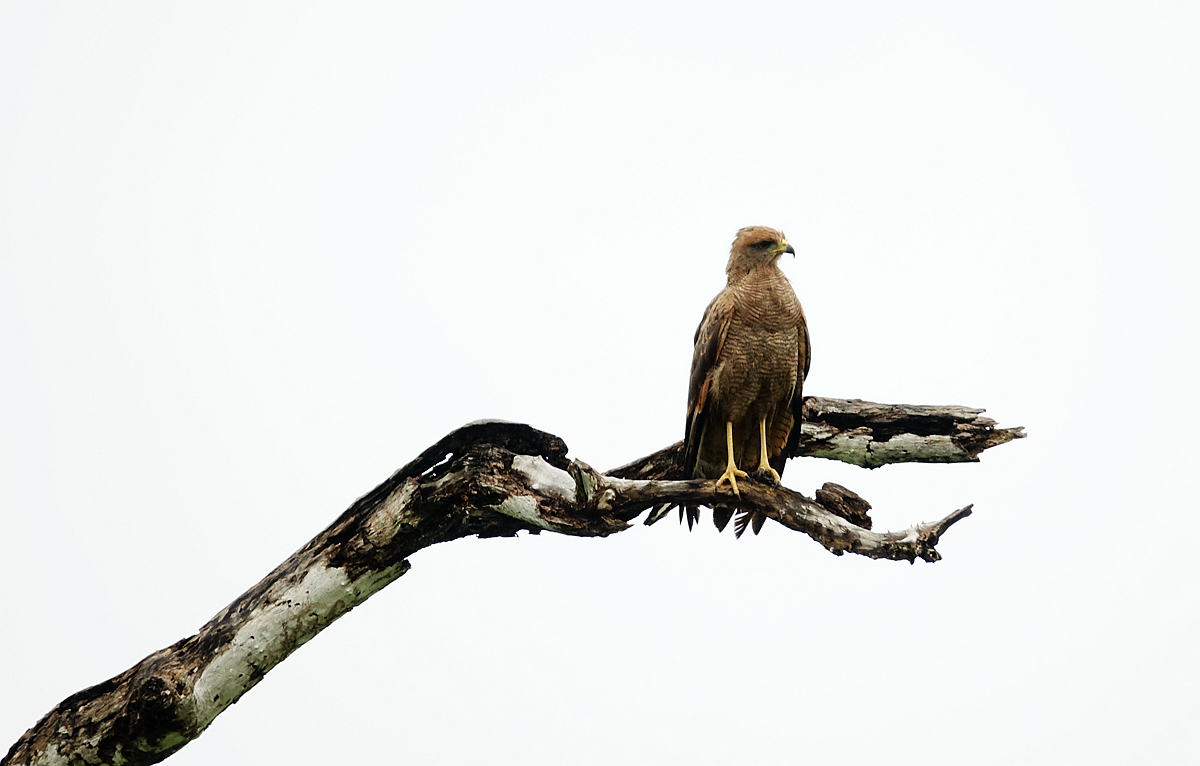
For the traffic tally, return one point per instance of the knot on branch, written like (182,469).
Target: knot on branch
(845,503)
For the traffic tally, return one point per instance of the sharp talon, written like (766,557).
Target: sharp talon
(764,468)
(730,477)
(732,472)
(769,475)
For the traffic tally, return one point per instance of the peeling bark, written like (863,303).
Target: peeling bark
(870,435)
(488,479)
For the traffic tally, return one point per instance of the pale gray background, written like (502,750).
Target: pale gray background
(253,259)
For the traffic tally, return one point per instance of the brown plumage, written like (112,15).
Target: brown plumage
(750,359)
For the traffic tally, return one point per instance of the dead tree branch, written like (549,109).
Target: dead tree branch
(867,434)
(488,479)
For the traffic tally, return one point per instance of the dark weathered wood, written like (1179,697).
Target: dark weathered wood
(845,503)
(870,434)
(488,479)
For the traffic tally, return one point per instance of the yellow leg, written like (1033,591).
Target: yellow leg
(763,465)
(732,473)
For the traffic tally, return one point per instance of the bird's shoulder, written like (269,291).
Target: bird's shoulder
(716,315)
(709,343)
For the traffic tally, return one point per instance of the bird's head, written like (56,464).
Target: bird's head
(756,246)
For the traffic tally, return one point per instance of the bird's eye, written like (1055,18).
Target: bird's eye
(764,244)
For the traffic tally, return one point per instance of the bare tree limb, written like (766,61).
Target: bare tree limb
(488,479)
(867,434)
(870,435)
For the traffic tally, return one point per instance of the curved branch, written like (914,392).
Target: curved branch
(488,479)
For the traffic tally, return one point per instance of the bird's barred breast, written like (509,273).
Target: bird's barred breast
(765,300)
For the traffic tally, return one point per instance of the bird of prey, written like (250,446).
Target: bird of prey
(750,359)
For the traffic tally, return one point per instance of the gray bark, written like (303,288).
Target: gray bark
(488,479)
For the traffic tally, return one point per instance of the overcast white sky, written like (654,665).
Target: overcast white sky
(254,258)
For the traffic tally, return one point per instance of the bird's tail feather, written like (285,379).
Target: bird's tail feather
(657,513)
(691,513)
(721,517)
(751,519)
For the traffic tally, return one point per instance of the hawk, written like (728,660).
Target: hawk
(749,363)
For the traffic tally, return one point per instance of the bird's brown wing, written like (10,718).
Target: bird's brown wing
(706,356)
(803,361)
